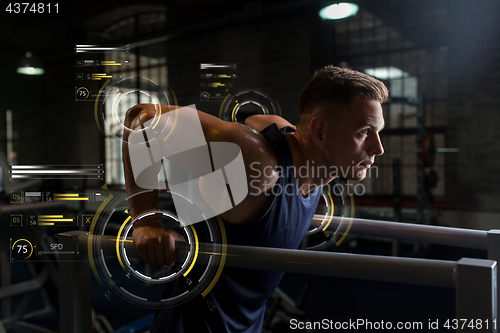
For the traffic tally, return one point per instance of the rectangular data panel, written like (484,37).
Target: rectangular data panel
(110,48)
(217,81)
(27,249)
(56,172)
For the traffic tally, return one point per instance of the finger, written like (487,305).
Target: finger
(170,251)
(144,255)
(150,249)
(142,252)
(180,238)
(160,254)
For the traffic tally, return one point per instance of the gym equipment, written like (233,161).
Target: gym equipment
(475,280)
(141,325)
(458,237)
(39,275)
(428,150)
(276,318)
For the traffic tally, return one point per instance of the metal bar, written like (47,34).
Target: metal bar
(74,290)
(26,327)
(476,295)
(404,100)
(412,131)
(468,238)
(26,286)
(419,150)
(396,191)
(420,168)
(447,150)
(493,249)
(475,280)
(368,267)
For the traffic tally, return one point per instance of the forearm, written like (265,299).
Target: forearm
(140,199)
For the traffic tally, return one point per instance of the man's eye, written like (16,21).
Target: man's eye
(365,131)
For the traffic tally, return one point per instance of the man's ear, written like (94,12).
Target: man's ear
(316,128)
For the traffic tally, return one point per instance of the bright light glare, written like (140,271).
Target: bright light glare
(30,70)
(386,73)
(338,11)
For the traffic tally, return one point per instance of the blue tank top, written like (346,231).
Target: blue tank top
(240,295)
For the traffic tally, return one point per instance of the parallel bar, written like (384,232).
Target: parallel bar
(367,267)
(468,238)
(74,290)
(476,295)
(494,254)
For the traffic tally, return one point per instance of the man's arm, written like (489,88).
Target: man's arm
(261,121)
(155,243)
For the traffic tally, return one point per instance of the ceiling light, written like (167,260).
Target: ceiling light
(338,11)
(30,65)
(386,73)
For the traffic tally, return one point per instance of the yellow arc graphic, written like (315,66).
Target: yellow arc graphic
(96,103)
(28,243)
(90,238)
(176,115)
(118,243)
(234,111)
(197,247)
(222,105)
(222,259)
(331,214)
(344,235)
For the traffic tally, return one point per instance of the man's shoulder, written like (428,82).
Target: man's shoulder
(255,148)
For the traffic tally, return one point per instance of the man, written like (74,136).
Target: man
(340,117)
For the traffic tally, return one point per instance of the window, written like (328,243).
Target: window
(410,45)
(144,81)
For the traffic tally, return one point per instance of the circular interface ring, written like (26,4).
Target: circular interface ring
(339,207)
(162,276)
(118,96)
(119,270)
(238,107)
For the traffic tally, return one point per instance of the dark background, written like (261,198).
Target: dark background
(451,47)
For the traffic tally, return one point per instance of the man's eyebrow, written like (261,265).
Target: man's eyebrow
(371,125)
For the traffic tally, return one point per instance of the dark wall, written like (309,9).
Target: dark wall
(25,97)
(474,105)
(273,56)
(276,55)
(50,128)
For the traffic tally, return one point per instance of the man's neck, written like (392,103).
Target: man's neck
(306,158)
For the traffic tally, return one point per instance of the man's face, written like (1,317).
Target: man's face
(352,140)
